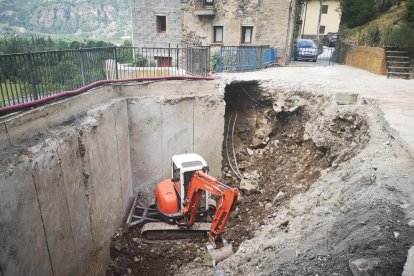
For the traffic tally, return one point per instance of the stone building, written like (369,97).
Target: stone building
(156,23)
(213,23)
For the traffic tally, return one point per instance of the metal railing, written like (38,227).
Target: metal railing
(321,56)
(244,58)
(27,77)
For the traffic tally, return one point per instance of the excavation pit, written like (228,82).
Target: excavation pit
(271,152)
(322,185)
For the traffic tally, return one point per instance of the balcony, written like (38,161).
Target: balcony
(208,4)
(207,10)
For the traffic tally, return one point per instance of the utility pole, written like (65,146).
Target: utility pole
(319,20)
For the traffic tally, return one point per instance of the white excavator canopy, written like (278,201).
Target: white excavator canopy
(189,162)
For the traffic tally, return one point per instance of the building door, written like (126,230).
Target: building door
(164,61)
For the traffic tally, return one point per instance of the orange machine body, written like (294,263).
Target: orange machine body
(168,201)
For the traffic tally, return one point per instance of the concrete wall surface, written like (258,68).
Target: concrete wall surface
(160,129)
(371,59)
(25,124)
(66,186)
(181,117)
(63,196)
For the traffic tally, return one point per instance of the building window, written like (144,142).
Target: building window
(161,24)
(321,29)
(247,34)
(218,34)
(324,9)
(208,3)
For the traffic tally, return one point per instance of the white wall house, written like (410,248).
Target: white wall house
(330,18)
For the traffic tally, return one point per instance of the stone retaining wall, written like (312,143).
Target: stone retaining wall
(371,59)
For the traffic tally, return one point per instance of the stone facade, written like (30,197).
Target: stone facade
(269,19)
(272,22)
(144,23)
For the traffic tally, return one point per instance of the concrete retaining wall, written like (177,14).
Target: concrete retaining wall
(371,59)
(163,128)
(63,195)
(67,185)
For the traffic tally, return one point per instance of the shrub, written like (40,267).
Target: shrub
(374,35)
(356,12)
(370,38)
(214,62)
(401,36)
(410,10)
(140,61)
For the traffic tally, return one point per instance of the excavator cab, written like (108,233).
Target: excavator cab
(171,193)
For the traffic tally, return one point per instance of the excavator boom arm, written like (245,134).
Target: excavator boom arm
(226,204)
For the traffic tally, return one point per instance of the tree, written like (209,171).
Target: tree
(75,45)
(50,43)
(61,44)
(357,12)
(385,5)
(127,43)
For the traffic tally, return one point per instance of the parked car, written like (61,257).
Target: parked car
(305,49)
(330,39)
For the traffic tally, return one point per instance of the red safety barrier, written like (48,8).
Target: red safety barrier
(18,107)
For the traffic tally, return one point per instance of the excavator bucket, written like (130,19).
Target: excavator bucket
(213,256)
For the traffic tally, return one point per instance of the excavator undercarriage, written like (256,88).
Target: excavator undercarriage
(154,229)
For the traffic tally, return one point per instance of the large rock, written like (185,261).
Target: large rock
(409,265)
(250,182)
(249,185)
(363,267)
(346,98)
(263,130)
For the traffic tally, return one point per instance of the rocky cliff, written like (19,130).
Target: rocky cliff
(94,19)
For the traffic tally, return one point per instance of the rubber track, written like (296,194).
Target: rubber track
(161,231)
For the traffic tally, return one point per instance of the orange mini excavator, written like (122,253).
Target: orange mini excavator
(183,204)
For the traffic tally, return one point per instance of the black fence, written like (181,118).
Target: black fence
(28,77)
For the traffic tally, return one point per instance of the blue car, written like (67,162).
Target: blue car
(305,49)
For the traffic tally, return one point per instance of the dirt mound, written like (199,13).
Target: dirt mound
(281,145)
